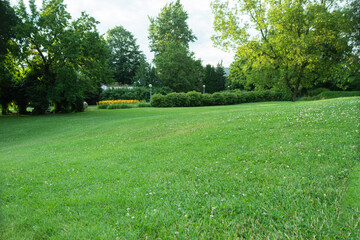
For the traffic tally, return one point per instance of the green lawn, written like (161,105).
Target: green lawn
(278,170)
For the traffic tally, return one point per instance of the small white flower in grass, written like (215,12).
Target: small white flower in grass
(128,209)
(132,217)
(206,193)
(176,233)
(212,216)
(213,208)
(244,194)
(127,214)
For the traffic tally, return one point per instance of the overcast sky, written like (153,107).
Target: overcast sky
(133,15)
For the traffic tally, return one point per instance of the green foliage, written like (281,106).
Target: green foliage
(331,94)
(214,78)
(120,106)
(8,23)
(65,60)
(316,91)
(158,100)
(195,99)
(176,100)
(169,37)
(292,45)
(102,106)
(192,99)
(145,75)
(125,56)
(176,68)
(144,105)
(170,26)
(138,93)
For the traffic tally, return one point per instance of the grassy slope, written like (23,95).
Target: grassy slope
(277,170)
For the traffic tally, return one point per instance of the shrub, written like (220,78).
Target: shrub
(144,104)
(195,99)
(317,91)
(158,100)
(218,98)
(102,106)
(331,94)
(141,93)
(177,100)
(120,106)
(208,100)
(338,94)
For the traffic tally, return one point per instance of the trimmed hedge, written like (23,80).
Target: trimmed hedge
(331,94)
(139,93)
(193,99)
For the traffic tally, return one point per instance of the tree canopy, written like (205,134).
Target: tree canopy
(170,26)
(284,44)
(169,37)
(63,60)
(124,54)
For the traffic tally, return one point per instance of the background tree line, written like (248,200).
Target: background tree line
(49,59)
(290,44)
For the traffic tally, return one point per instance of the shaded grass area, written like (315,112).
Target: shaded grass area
(266,170)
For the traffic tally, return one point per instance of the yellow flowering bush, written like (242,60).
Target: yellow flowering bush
(110,102)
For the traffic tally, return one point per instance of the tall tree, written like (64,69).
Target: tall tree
(8,22)
(220,77)
(125,56)
(170,26)
(299,42)
(169,36)
(177,68)
(64,58)
(210,79)
(145,75)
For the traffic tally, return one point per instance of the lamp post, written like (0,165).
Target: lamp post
(204,89)
(150,86)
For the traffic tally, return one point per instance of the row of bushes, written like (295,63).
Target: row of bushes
(331,94)
(193,99)
(122,105)
(141,93)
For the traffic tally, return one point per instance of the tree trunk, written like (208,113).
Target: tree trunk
(296,90)
(4,109)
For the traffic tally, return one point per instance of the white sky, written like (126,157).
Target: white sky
(133,15)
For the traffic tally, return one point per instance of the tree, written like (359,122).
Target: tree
(64,59)
(169,37)
(145,75)
(170,26)
(177,68)
(210,79)
(8,22)
(125,56)
(220,77)
(284,44)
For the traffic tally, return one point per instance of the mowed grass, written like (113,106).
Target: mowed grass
(276,170)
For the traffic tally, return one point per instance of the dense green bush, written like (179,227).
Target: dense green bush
(177,100)
(136,93)
(120,106)
(102,106)
(192,99)
(338,94)
(317,91)
(207,99)
(331,94)
(195,99)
